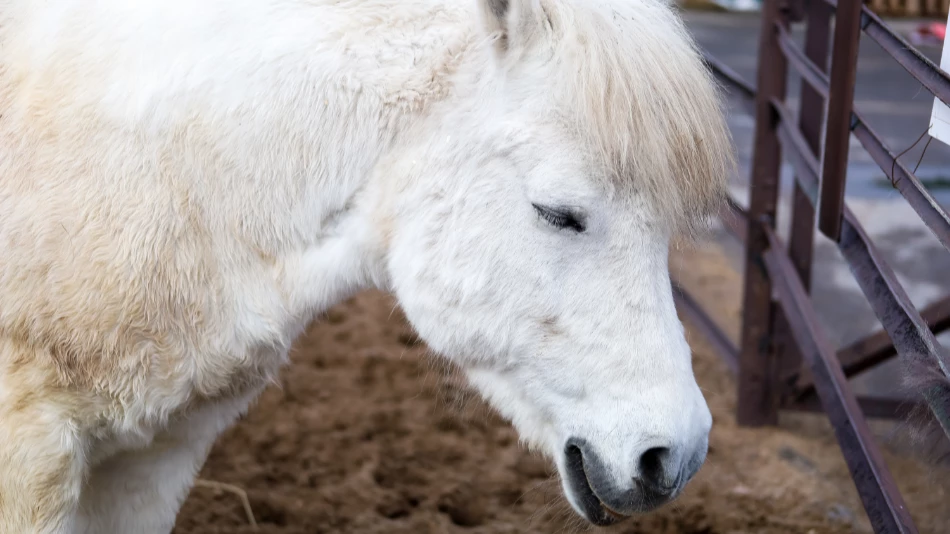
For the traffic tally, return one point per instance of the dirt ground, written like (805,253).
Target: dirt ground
(370,434)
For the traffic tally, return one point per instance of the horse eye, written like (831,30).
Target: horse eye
(560,218)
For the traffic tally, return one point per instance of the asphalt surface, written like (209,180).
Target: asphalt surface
(898,109)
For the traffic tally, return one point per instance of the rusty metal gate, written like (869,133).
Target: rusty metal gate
(786,361)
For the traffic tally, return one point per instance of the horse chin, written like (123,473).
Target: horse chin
(583,499)
(596,512)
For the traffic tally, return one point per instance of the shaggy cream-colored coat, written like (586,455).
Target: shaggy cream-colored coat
(185,184)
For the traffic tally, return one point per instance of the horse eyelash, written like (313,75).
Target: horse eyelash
(560,218)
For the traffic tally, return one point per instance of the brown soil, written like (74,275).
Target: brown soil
(369,434)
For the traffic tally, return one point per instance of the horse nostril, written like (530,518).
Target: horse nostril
(652,471)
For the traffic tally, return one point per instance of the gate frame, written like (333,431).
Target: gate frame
(785,360)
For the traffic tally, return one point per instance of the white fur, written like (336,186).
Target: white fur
(184,185)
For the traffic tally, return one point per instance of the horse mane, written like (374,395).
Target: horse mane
(647,103)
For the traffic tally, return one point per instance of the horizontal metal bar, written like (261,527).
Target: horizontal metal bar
(878,347)
(904,181)
(912,338)
(890,302)
(707,327)
(932,77)
(871,407)
(872,350)
(733,81)
(805,67)
(929,75)
(879,494)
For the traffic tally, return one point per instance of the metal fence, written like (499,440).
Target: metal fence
(786,361)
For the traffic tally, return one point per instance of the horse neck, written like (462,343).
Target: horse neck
(444,89)
(347,98)
(371,124)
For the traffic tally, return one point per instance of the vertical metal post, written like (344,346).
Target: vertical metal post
(844,65)
(810,121)
(758,394)
(811,118)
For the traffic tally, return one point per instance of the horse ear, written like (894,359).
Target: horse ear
(517,22)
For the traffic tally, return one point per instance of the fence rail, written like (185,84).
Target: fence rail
(785,360)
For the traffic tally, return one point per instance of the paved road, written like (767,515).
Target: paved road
(897,107)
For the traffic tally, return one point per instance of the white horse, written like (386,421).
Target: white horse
(185,184)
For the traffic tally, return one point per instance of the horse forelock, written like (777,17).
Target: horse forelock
(648,106)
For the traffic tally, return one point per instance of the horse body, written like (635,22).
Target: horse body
(185,185)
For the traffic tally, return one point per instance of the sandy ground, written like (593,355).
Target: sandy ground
(369,433)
